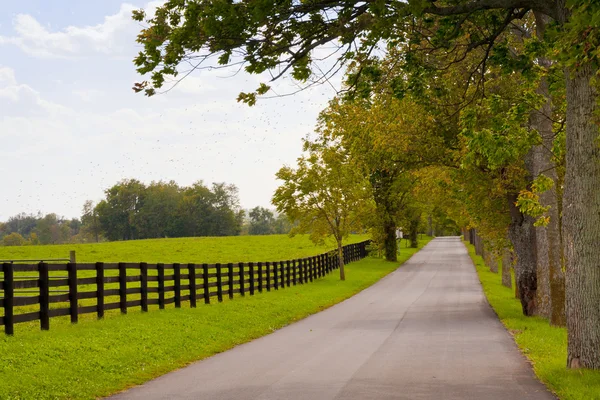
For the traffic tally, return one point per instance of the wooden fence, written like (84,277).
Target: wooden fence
(72,289)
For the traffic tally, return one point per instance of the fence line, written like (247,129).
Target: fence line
(142,284)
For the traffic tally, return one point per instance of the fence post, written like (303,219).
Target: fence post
(288,273)
(251,275)
(161,285)
(275,276)
(144,286)
(294,264)
(192,284)
(260,277)
(44,296)
(242,278)
(322,265)
(205,283)
(9,295)
(177,284)
(123,288)
(230,272)
(72,276)
(219,283)
(304,271)
(282,274)
(268,274)
(100,289)
(311,268)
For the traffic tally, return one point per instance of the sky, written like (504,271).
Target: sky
(71,126)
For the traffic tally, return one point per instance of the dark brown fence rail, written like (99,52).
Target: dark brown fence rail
(32,292)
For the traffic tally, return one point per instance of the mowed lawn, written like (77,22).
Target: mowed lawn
(544,345)
(95,358)
(182,250)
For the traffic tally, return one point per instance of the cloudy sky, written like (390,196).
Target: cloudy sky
(70,125)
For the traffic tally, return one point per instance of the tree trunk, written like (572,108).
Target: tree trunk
(414,232)
(493,262)
(581,220)
(390,243)
(521,233)
(506,266)
(550,277)
(341,259)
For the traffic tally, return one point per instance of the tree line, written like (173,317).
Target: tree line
(483,109)
(133,210)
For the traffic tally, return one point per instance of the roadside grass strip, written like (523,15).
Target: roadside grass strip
(544,345)
(96,358)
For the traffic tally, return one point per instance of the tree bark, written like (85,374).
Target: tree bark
(521,233)
(506,266)
(493,262)
(341,259)
(390,243)
(414,232)
(550,284)
(581,220)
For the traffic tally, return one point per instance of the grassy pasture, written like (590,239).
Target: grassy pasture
(544,345)
(96,358)
(183,250)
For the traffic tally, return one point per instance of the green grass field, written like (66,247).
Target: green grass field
(545,346)
(183,250)
(96,358)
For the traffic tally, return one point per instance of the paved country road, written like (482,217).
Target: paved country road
(423,332)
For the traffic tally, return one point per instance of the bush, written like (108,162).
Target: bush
(14,239)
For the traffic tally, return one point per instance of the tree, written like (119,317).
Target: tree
(280,37)
(117,213)
(387,139)
(325,194)
(261,221)
(90,226)
(157,214)
(14,239)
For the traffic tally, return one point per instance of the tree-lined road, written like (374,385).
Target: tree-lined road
(423,332)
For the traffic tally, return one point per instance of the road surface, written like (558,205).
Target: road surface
(423,332)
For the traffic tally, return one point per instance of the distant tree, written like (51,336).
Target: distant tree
(22,223)
(90,226)
(156,217)
(117,213)
(227,216)
(193,210)
(33,239)
(53,230)
(282,224)
(261,221)
(13,239)
(326,194)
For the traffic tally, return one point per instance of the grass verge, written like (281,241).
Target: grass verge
(544,345)
(97,358)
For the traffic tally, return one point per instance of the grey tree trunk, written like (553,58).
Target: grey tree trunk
(341,259)
(414,232)
(550,276)
(506,267)
(390,243)
(581,220)
(521,233)
(493,262)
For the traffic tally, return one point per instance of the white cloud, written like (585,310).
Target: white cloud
(20,99)
(114,36)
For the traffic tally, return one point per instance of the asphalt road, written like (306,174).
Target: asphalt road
(423,332)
